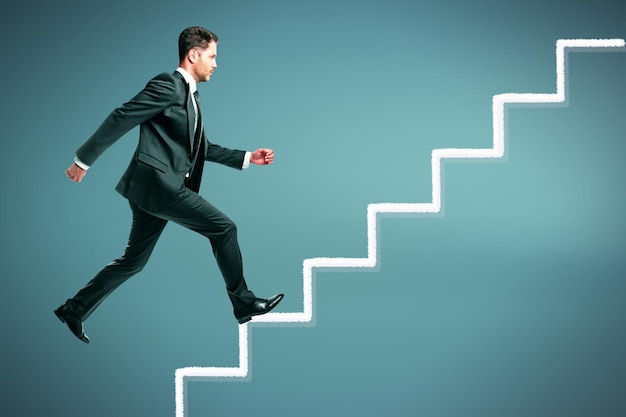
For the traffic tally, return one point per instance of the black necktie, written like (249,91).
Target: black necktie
(198,131)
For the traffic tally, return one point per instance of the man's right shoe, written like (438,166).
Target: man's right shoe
(74,323)
(257,307)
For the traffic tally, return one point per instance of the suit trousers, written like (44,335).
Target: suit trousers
(189,210)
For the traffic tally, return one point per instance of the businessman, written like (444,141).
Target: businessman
(163,180)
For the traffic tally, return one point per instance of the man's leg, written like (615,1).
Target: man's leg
(195,213)
(144,233)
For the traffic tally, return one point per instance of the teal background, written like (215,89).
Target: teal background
(508,303)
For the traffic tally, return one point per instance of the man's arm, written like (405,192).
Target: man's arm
(238,159)
(158,94)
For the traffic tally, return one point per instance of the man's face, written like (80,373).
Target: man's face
(205,62)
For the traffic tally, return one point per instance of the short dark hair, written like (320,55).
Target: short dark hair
(194,37)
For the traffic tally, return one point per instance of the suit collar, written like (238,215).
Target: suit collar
(193,86)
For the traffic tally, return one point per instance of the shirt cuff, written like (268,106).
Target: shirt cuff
(82,164)
(246,160)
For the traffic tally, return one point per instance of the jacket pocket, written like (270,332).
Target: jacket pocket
(153,162)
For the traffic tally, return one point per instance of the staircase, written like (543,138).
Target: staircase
(563,46)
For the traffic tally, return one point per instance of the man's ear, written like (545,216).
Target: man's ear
(192,55)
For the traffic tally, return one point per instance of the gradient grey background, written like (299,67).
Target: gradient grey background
(510,303)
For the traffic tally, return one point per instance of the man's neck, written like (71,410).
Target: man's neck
(193,84)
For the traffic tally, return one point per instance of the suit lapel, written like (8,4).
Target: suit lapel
(191,117)
(191,113)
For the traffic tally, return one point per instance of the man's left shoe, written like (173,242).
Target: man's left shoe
(257,307)
(73,322)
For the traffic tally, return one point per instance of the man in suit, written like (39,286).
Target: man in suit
(163,179)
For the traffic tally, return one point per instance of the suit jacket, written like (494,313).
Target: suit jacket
(157,172)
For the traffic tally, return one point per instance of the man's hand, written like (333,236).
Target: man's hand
(262,156)
(75,173)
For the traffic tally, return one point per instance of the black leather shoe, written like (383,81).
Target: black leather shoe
(257,307)
(74,323)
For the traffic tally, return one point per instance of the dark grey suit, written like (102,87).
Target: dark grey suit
(161,184)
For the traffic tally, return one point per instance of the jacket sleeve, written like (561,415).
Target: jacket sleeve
(158,94)
(229,157)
